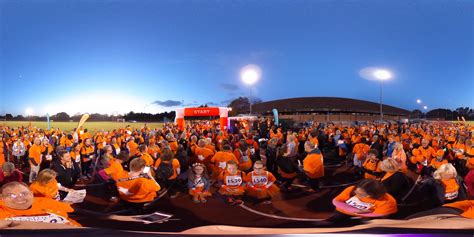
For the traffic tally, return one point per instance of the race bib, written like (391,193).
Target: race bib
(47,218)
(104,143)
(357,203)
(201,158)
(252,151)
(222,165)
(117,150)
(451,196)
(91,157)
(49,157)
(245,158)
(233,180)
(124,191)
(78,158)
(259,179)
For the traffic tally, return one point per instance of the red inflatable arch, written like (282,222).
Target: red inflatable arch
(222,112)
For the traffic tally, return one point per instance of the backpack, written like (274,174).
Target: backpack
(165,170)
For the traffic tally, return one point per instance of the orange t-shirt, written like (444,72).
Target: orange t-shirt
(313,165)
(148,159)
(373,166)
(221,158)
(132,148)
(137,190)
(42,210)
(35,153)
(260,180)
(114,169)
(466,206)
(203,155)
(386,205)
(451,188)
(86,153)
(174,163)
(50,190)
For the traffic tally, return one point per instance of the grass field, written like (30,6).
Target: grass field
(91,126)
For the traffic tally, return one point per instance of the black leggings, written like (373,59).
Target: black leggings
(86,166)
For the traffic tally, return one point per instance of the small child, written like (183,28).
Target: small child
(47,186)
(231,183)
(260,183)
(198,183)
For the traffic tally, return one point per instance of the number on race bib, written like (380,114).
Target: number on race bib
(233,180)
(357,203)
(259,179)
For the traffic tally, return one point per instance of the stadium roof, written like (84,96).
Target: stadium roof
(326,104)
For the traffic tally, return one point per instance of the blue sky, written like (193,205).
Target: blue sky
(116,56)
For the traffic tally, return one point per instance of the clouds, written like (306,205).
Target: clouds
(167,103)
(229,86)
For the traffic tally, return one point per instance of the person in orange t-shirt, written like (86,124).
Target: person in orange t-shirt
(372,166)
(231,183)
(203,154)
(260,184)
(313,165)
(466,207)
(163,165)
(34,156)
(360,152)
(145,156)
(135,187)
(220,159)
(132,147)
(19,204)
(366,199)
(88,156)
(47,186)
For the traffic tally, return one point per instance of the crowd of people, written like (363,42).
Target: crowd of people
(432,161)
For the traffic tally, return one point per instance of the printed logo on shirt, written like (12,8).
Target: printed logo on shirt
(451,195)
(233,180)
(49,218)
(222,165)
(357,203)
(198,183)
(201,157)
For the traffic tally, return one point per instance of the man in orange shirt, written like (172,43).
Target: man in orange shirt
(360,152)
(313,165)
(34,156)
(135,187)
(19,204)
(220,159)
(202,153)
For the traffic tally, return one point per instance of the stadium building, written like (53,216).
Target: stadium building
(323,109)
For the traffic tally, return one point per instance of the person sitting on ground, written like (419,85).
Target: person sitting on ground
(453,187)
(372,166)
(9,174)
(466,208)
(198,183)
(394,180)
(313,165)
(19,204)
(135,187)
(231,183)
(68,171)
(47,186)
(366,199)
(286,168)
(220,159)
(260,184)
(167,169)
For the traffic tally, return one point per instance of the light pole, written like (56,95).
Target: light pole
(250,74)
(382,75)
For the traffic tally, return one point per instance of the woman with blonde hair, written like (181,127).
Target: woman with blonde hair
(400,156)
(395,182)
(447,175)
(47,186)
